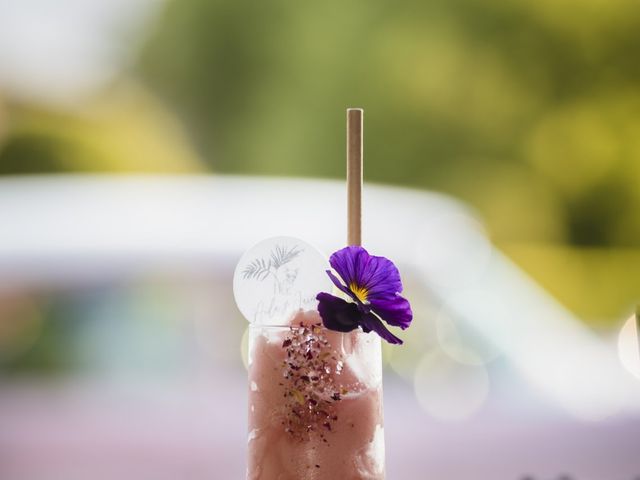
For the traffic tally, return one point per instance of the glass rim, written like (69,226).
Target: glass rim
(357,330)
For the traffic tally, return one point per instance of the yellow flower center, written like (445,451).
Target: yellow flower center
(360,292)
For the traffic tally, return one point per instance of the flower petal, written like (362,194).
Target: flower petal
(337,314)
(339,285)
(394,310)
(377,275)
(381,278)
(371,322)
(349,262)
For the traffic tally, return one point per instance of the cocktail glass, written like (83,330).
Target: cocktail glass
(315,403)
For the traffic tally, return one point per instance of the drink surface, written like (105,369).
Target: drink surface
(315,403)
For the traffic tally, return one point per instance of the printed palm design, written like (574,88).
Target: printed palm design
(260,268)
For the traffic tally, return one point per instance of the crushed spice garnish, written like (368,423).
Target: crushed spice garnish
(310,389)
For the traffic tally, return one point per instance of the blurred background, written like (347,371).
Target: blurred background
(142,142)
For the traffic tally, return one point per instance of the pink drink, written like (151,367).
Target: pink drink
(315,403)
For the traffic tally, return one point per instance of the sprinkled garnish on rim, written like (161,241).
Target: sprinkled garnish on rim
(374,286)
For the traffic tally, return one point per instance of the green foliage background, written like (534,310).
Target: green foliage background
(527,110)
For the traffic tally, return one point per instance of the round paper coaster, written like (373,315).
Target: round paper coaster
(277,277)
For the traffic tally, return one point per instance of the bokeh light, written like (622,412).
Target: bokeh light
(461,342)
(449,390)
(629,345)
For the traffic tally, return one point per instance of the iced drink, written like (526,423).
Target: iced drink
(315,403)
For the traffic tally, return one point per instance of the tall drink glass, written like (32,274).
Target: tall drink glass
(315,403)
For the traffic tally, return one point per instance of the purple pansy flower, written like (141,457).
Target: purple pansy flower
(374,285)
